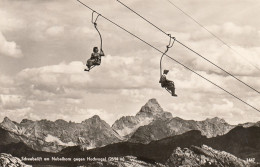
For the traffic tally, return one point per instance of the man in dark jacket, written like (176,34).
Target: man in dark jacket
(95,59)
(168,84)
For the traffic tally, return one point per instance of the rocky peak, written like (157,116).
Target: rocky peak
(8,124)
(7,120)
(96,117)
(204,156)
(44,122)
(61,122)
(26,121)
(216,120)
(95,121)
(150,112)
(178,119)
(249,124)
(151,107)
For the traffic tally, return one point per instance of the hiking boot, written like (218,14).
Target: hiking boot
(174,95)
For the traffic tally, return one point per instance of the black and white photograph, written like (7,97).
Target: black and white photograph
(129,83)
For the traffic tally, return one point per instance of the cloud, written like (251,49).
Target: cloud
(9,22)
(230,30)
(67,89)
(52,78)
(70,77)
(240,60)
(8,48)
(83,30)
(11,102)
(242,64)
(201,106)
(52,82)
(55,30)
(66,83)
(18,114)
(6,81)
(226,31)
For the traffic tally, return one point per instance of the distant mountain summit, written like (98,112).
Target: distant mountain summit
(152,106)
(153,123)
(148,113)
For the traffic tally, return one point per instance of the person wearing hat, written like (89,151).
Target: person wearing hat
(95,58)
(168,84)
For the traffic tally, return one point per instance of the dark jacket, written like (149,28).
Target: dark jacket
(97,57)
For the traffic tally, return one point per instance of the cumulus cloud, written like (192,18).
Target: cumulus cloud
(230,61)
(239,60)
(83,30)
(9,48)
(53,78)
(64,77)
(55,30)
(12,101)
(202,106)
(17,114)
(6,81)
(8,22)
(230,29)
(67,89)
(129,73)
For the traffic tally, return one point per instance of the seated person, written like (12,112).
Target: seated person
(168,84)
(95,58)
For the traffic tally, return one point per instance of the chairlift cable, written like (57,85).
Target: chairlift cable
(172,58)
(191,49)
(218,38)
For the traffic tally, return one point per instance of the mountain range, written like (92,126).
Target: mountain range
(151,123)
(51,136)
(231,149)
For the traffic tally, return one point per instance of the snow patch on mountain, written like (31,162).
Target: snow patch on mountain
(151,111)
(129,130)
(49,138)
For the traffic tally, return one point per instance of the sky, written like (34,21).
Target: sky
(44,46)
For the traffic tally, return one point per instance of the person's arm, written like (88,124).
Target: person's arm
(161,79)
(102,53)
(92,56)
